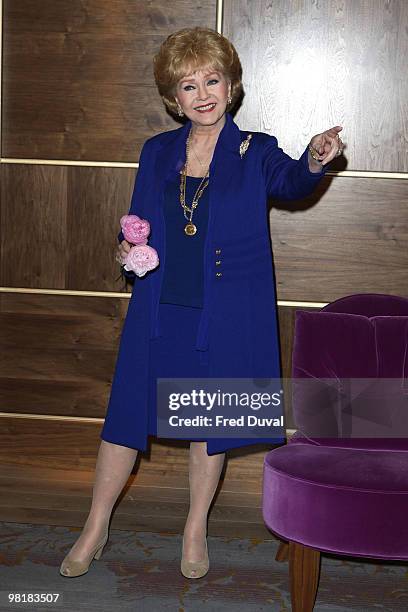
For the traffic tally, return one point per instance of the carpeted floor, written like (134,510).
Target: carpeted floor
(139,572)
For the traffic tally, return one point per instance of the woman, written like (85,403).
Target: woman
(186,319)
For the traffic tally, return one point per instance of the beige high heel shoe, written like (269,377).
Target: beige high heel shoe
(70,568)
(200,568)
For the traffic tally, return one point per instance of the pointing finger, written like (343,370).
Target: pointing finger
(333,132)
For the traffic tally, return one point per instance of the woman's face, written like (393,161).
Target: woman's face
(203,96)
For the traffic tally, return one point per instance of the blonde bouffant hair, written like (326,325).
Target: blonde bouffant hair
(192,49)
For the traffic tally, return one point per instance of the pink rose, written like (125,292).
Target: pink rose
(135,229)
(141,258)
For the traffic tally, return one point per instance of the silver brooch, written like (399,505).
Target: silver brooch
(244,145)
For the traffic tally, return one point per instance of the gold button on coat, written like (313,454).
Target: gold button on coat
(218,274)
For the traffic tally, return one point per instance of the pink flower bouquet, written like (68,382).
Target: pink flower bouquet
(141,257)
(135,229)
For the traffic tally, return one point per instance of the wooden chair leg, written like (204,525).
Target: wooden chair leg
(283,552)
(304,570)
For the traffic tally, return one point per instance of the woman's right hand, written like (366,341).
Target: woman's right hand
(122,251)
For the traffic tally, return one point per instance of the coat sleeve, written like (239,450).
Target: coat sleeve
(141,182)
(287,178)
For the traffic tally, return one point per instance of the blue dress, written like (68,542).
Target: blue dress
(183,280)
(173,353)
(238,327)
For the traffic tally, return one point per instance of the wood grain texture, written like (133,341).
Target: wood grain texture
(33,226)
(348,238)
(60,458)
(60,224)
(78,79)
(283,552)
(97,198)
(304,569)
(310,65)
(58,353)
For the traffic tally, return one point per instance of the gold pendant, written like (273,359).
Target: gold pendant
(190,229)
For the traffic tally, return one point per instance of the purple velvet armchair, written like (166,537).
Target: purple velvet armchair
(341,483)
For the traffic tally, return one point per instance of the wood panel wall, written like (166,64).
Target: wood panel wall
(77,88)
(77,75)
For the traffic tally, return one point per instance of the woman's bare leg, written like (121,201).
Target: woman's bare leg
(113,467)
(204,476)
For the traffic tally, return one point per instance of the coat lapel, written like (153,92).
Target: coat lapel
(172,156)
(225,164)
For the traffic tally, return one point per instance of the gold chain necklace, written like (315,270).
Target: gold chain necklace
(190,228)
(197,158)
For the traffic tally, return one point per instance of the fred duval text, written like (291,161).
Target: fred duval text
(248,420)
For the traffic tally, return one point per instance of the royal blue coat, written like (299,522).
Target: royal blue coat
(238,330)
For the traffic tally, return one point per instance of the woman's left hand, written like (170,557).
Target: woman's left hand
(327,145)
